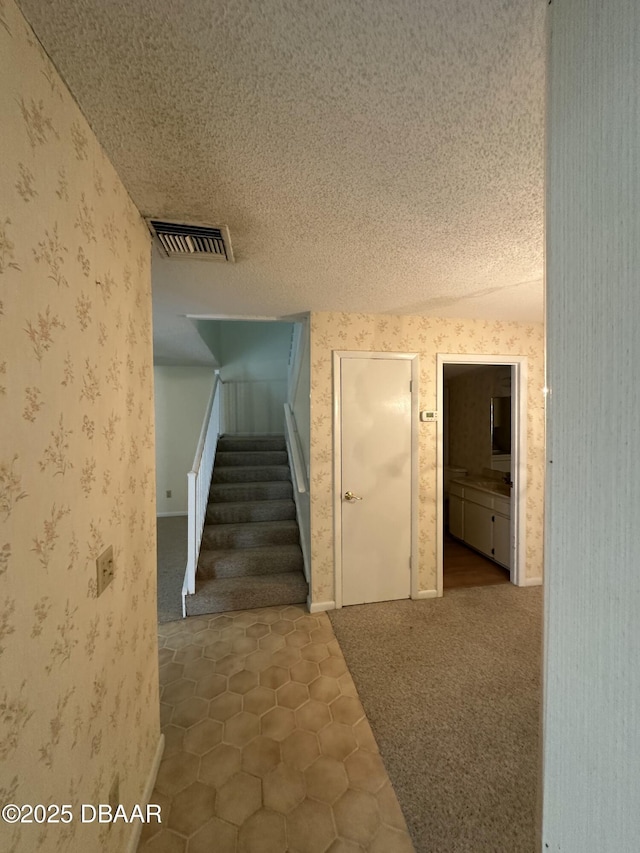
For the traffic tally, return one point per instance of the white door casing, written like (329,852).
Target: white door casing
(518,521)
(375,418)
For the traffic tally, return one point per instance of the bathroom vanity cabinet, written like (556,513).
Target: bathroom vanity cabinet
(480,516)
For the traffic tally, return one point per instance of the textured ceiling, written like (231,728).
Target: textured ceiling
(375,155)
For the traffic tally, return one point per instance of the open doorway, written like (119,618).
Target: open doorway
(233,456)
(481,488)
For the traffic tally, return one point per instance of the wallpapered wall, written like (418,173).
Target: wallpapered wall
(78,674)
(469,420)
(427,336)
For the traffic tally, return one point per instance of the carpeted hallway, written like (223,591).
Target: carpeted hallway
(451,688)
(172,560)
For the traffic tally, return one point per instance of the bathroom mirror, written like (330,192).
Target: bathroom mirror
(500,425)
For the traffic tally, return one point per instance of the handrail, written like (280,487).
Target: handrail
(205,425)
(293,440)
(198,483)
(301,492)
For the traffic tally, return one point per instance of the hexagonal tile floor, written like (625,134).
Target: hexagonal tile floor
(267,747)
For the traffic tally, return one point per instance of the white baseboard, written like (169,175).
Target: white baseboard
(170,514)
(425,593)
(134,838)
(531,582)
(320,606)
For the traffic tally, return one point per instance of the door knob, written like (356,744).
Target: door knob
(349,496)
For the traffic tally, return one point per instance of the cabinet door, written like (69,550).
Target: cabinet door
(502,541)
(478,527)
(456,517)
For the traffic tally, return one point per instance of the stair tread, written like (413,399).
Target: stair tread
(272,550)
(256,486)
(283,523)
(254,561)
(260,502)
(235,458)
(241,512)
(217,595)
(250,436)
(258,443)
(276,467)
(288,578)
(251,474)
(247,484)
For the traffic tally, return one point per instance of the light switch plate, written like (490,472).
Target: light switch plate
(105,569)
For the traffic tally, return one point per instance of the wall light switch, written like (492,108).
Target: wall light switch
(105,569)
(428,416)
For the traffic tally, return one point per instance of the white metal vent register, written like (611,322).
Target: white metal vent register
(183,240)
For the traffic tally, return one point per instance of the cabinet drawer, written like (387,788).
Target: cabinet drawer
(456,489)
(478,497)
(503,506)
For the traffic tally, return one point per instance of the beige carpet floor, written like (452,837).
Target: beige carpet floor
(451,688)
(172,562)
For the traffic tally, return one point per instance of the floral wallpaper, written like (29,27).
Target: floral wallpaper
(428,336)
(78,673)
(469,418)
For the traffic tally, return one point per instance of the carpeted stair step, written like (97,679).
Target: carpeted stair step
(250,562)
(218,596)
(264,491)
(250,534)
(241,511)
(250,554)
(250,473)
(251,457)
(261,442)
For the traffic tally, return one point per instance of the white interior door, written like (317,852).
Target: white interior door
(376,464)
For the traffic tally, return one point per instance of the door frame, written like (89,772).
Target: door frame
(519,366)
(414,358)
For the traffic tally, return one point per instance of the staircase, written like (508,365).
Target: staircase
(250,554)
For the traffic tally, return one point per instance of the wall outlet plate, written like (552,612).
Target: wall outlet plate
(105,569)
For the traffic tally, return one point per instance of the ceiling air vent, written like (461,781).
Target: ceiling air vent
(181,240)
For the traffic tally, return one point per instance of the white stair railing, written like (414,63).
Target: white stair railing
(198,483)
(300,484)
(295,454)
